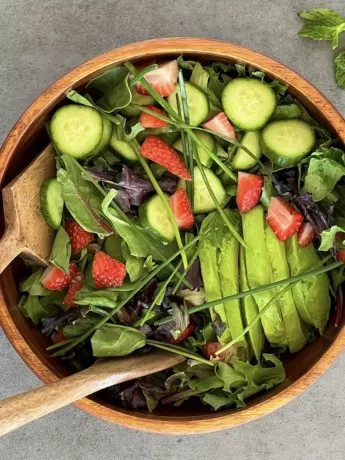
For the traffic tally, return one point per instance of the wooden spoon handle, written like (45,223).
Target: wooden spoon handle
(9,248)
(27,407)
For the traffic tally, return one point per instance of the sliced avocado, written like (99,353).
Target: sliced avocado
(311,295)
(229,280)
(250,311)
(259,272)
(296,331)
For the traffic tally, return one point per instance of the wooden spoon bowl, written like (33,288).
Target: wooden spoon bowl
(28,138)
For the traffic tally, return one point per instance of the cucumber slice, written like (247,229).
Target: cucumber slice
(248,103)
(207,139)
(197,103)
(76,130)
(106,136)
(51,201)
(203,202)
(243,161)
(153,214)
(123,149)
(286,142)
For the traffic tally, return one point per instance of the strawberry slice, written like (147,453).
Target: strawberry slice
(210,349)
(149,121)
(75,285)
(158,151)
(341,255)
(163,79)
(182,210)
(283,219)
(249,190)
(55,279)
(306,234)
(107,271)
(58,336)
(184,334)
(220,124)
(78,236)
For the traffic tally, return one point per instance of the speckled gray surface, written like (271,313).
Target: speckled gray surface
(40,41)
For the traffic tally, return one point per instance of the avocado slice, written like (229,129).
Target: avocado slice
(229,280)
(311,295)
(296,331)
(249,312)
(259,272)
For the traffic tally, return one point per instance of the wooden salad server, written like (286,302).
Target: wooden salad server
(22,409)
(26,232)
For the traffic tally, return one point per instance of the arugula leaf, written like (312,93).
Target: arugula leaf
(322,176)
(141,243)
(322,24)
(328,237)
(31,307)
(114,88)
(135,267)
(340,69)
(116,340)
(32,285)
(61,251)
(82,199)
(99,297)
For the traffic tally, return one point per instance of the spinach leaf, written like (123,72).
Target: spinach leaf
(99,297)
(115,340)
(61,251)
(322,24)
(31,307)
(32,285)
(135,267)
(340,69)
(322,176)
(54,298)
(114,89)
(80,326)
(82,199)
(141,243)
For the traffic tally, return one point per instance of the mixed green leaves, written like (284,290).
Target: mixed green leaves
(116,340)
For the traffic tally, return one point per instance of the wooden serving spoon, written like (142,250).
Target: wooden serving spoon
(27,407)
(26,231)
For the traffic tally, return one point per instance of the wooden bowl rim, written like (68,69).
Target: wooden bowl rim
(44,103)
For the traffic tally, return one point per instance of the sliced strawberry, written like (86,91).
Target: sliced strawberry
(249,190)
(306,234)
(157,150)
(55,279)
(341,255)
(283,219)
(220,124)
(163,79)
(107,271)
(340,236)
(149,121)
(58,336)
(210,350)
(184,334)
(75,285)
(182,210)
(78,236)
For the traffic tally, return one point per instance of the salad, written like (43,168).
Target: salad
(198,209)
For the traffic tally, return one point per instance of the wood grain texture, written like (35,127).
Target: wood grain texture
(25,408)
(26,232)
(302,369)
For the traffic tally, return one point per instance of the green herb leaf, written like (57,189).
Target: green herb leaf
(322,24)
(99,297)
(61,251)
(322,176)
(32,285)
(82,199)
(115,340)
(114,88)
(31,308)
(340,69)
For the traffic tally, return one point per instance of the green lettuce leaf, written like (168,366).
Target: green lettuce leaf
(218,399)
(115,340)
(322,176)
(328,237)
(61,251)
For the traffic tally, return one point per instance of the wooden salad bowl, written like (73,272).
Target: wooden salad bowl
(27,139)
